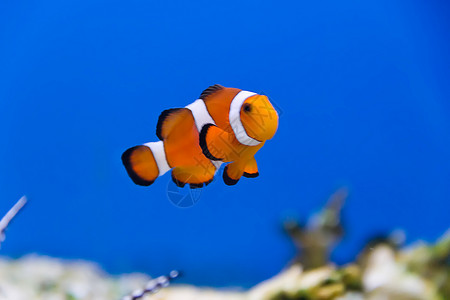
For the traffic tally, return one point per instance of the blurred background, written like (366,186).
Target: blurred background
(362,87)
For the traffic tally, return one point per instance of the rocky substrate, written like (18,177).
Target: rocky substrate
(380,273)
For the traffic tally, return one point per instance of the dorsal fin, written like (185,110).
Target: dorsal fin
(210,90)
(168,119)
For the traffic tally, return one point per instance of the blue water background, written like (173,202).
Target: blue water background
(363,89)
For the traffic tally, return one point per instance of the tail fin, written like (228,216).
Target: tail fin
(145,163)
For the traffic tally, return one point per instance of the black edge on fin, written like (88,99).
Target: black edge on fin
(181,184)
(203,145)
(251,175)
(126,162)
(227,179)
(195,185)
(210,90)
(161,119)
(177,182)
(209,181)
(200,185)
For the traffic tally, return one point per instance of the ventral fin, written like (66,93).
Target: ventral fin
(231,174)
(251,169)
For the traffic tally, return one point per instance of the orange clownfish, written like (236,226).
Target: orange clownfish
(225,125)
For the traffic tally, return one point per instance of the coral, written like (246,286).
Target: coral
(383,271)
(315,240)
(387,274)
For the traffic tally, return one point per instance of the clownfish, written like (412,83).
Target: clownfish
(225,125)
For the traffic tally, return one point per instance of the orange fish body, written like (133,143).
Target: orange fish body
(225,125)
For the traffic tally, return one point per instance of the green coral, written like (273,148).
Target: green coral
(299,295)
(433,262)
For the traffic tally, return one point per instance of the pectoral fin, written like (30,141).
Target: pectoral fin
(217,144)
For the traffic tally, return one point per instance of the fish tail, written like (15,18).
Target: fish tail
(145,163)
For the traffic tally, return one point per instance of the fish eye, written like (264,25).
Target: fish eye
(247,107)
